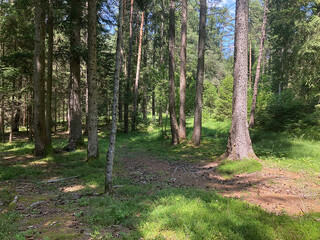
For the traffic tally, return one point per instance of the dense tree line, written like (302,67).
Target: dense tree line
(70,64)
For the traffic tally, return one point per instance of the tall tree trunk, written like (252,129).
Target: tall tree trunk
(145,75)
(75,134)
(39,81)
(136,83)
(161,57)
(196,135)
(239,142)
(183,80)
(110,154)
(92,152)
(172,107)
(250,62)
(127,100)
(49,73)
(123,70)
(256,80)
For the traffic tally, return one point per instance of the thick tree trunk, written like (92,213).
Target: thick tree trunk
(110,154)
(136,83)
(41,145)
(256,80)
(183,80)
(127,95)
(196,135)
(75,130)
(172,107)
(92,152)
(239,142)
(49,73)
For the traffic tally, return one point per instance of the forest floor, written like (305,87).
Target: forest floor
(73,209)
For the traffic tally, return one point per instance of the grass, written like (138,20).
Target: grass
(149,212)
(231,168)
(192,214)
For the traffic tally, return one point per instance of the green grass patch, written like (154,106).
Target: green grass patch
(192,214)
(230,168)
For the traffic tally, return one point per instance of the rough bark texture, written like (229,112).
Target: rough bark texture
(256,80)
(136,83)
(75,126)
(92,151)
(196,135)
(40,137)
(127,95)
(49,72)
(110,154)
(183,77)
(239,142)
(172,108)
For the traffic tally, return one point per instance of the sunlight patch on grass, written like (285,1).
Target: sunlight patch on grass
(230,168)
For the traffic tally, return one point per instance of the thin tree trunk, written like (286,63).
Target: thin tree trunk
(183,80)
(161,57)
(75,124)
(92,151)
(49,73)
(136,83)
(172,107)
(123,70)
(196,135)
(55,109)
(250,62)
(127,100)
(145,75)
(110,154)
(239,142)
(40,136)
(256,80)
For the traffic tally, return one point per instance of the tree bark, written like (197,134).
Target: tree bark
(256,80)
(145,75)
(239,142)
(127,97)
(196,135)
(75,125)
(92,151)
(136,83)
(39,80)
(183,80)
(172,107)
(49,73)
(110,154)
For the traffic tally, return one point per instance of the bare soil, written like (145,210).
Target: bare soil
(275,190)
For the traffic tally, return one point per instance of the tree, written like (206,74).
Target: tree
(136,83)
(172,108)
(49,72)
(183,80)
(239,142)
(127,95)
(75,130)
(196,135)
(40,137)
(110,154)
(256,80)
(92,150)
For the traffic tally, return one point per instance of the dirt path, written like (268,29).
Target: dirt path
(274,189)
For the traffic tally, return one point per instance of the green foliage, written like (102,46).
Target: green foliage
(230,168)
(284,112)
(223,110)
(9,225)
